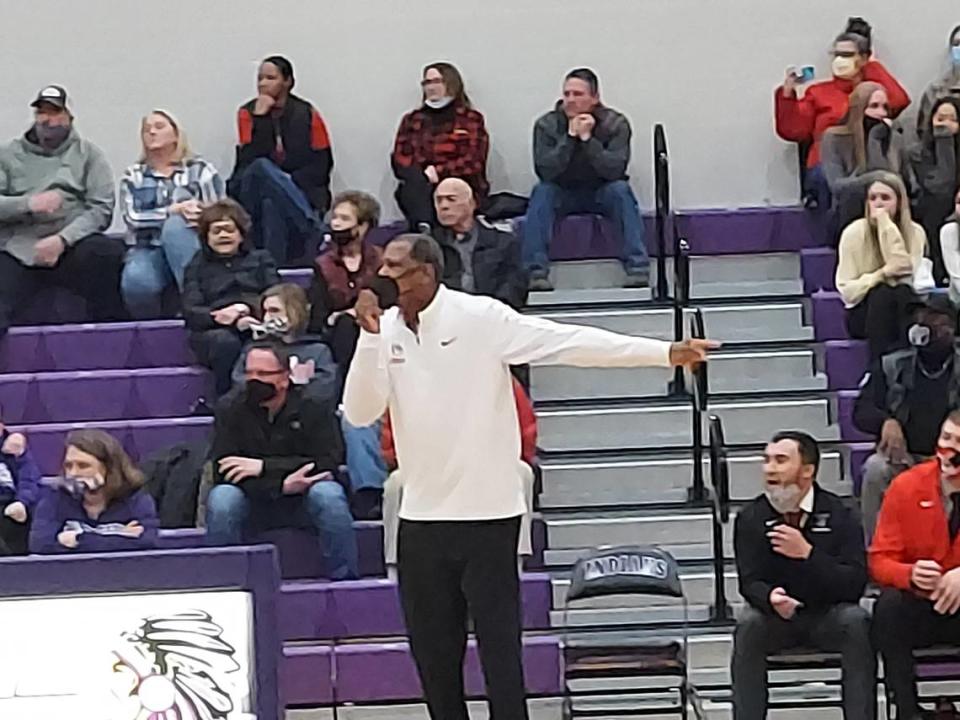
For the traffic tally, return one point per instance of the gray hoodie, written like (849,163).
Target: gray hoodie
(77,169)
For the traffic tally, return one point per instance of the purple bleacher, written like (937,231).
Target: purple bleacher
(848,431)
(139,437)
(158,343)
(829,317)
(819,269)
(306,675)
(94,395)
(298,276)
(858,453)
(845,363)
(371,608)
(373,672)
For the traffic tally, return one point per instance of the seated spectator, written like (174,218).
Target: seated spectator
(950,249)
(56,200)
(19,491)
(947,85)
(444,137)
(863,142)
(345,265)
(936,171)
(393,489)
(904,400)
(221,286)
(276,457)
(805,117)
(282,175)
(478,258)
(581,150)
(801,565)
(161,198)
(879,262)
(99,505)
(285,313)
(915,558)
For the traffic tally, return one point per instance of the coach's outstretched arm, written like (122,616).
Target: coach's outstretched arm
(521,339)
(367,387)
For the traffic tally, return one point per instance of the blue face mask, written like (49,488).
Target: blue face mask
(955,54)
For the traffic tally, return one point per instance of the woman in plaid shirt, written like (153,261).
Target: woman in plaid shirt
(161,197)
(445,137)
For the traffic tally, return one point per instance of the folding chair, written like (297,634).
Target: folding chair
(626,570)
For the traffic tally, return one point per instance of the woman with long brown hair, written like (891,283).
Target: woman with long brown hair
(444,137)
(880,265)
(99,505)
(865,140)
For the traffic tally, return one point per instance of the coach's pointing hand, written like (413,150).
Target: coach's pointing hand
(368,311)
(692,352)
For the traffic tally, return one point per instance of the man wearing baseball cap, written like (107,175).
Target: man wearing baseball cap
(56,199)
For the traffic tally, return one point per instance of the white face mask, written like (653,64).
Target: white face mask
(439,103)
(784,498)
(844,67)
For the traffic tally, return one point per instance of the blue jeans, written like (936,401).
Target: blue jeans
(281,213)
(149,270)
(323,508)
(615,200)
(364,456)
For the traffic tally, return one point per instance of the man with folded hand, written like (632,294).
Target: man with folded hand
(915,557)
(276,455)
(800,559)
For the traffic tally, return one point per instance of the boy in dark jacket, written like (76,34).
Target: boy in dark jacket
(221,288)
(802,570)
(19,491)
(581,150)
(282,175)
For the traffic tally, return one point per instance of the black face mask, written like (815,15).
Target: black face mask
(869,123)
(258,392)
(342,237)
(51,136)
(386,291)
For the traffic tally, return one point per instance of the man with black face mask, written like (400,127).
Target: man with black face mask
(56,199)
(276,457)
(904,399)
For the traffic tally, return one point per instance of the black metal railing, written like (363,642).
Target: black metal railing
(720,479)
(700,401)
(661,177)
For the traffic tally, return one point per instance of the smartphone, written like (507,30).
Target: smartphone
(804,74)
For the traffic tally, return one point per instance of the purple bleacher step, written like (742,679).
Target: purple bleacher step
(848,431)
(819,269)
(829,316)
(101,346)
(845,362)
(139,437)
(300,553)
(371,608)
(96,395)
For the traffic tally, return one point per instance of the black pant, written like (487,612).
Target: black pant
(903,622)
(883,316)
(218,349)
(844,628)
(13,535)
(931,212)
(91,268)
(446,570)
(414,195)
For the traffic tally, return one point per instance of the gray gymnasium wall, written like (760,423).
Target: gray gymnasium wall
(705,68)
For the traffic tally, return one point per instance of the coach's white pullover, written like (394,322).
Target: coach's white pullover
(451,401)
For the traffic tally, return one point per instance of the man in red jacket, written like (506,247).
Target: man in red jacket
(393,489)
(804,119)
(915,556)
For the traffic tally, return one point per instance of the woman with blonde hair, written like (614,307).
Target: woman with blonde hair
(882,266)
(161,197)
(864,141)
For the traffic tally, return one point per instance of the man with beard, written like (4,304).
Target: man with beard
(801,564)
(904,400)
(915,557)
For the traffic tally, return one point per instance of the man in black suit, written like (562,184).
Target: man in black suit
(802,569)
(478,258)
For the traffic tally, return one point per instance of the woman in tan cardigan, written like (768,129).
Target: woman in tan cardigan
(879,257)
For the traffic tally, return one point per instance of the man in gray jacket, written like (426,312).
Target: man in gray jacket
(580,151)
(56,199)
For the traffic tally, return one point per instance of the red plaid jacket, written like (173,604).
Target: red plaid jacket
(456,146)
